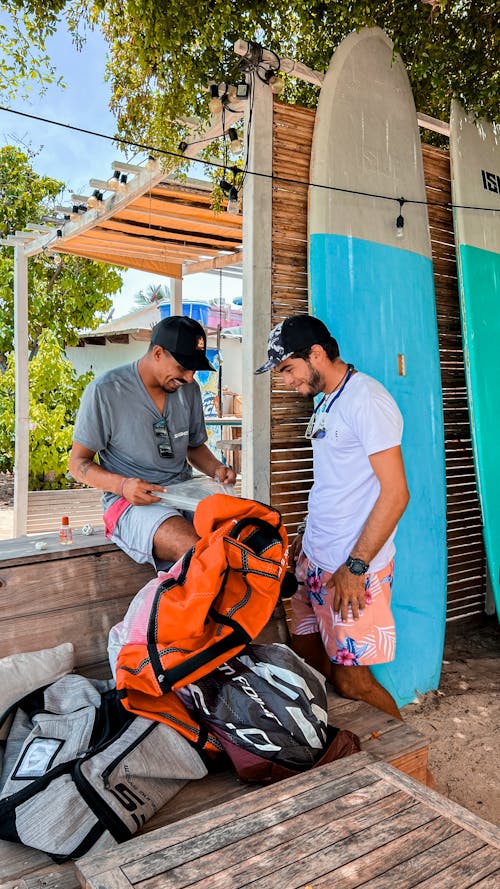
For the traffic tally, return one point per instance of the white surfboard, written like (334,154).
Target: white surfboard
(372,283)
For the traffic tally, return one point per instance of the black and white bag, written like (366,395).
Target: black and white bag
(78,770)
(269,710)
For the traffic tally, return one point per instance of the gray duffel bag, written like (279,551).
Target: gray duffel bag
(78,771)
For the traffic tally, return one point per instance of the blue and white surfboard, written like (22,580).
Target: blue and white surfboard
(371,282)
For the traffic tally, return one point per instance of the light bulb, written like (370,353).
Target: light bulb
(236,143)
(113,182)
(95,198)
(232,201)
(215,105)
(242,90)
(151,164)
(276,85)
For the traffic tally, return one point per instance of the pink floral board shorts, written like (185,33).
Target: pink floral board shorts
(369,640)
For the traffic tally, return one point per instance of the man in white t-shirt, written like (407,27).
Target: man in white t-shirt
(343,554)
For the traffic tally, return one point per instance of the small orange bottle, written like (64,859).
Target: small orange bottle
(65,532)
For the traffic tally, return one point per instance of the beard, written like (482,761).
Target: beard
(314,383)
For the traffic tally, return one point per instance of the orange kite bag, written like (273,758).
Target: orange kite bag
(205,610)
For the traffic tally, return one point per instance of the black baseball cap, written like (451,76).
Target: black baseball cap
(185,339)
(295,333)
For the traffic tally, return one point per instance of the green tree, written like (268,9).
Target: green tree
(24,62)
(54,396)
(66,293)
(162,55)
(152,295)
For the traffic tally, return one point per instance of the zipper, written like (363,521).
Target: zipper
(118,830)
(112,765)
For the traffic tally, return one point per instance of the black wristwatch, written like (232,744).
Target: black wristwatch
(356,566)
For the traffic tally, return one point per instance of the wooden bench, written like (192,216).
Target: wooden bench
(46,508)
(76,593)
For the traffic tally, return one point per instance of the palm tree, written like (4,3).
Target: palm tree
(152,295)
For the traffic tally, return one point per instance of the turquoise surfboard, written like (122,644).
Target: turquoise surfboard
(475,165)
(372,283)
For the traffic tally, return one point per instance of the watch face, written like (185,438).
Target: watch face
(356,566)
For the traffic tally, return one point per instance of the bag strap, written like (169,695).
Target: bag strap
(256,541)
(168,678)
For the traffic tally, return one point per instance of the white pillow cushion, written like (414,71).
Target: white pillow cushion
(25,672)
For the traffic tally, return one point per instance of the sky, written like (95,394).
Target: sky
(74,158)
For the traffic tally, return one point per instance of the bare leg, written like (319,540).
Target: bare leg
(310,648)
(173,538)
(359,684)
(356,683)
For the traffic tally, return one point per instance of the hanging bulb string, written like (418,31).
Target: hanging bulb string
(448,205)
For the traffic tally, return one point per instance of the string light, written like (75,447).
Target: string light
(400,221)
(233,206)
(275,82)
(242,90)
(215,104)
(113,182)
(236,143)
(95,198)
(182,147)
(152,165)
(231,193)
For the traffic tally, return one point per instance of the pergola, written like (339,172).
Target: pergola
(154,222)
(149,221)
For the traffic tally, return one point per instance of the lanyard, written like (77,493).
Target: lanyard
(321,432)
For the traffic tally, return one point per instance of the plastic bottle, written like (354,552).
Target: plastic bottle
(65,532)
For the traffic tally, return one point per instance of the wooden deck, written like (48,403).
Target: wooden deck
(76,593)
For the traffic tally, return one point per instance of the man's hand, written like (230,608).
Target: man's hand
(139,492)
(225,475)
(348,590)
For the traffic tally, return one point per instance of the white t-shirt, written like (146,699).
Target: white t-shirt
(363,421)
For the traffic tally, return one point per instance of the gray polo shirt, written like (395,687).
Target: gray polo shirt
(115,420)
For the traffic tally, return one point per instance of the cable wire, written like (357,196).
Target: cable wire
(449,205)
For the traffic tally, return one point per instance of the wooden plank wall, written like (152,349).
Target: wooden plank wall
(466,556)
(291,454)
(291,457)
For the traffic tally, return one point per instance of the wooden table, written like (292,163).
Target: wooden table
(352,823)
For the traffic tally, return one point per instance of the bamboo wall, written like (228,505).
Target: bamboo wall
(291,455)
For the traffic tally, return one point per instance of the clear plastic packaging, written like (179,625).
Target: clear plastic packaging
(187,495)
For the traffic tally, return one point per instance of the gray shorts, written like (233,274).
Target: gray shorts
(136,528)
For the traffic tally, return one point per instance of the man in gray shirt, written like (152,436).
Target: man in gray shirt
(145,423)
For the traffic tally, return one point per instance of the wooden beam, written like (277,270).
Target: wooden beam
(288,66)
(138,185)
(139,245)
(192,220)
(204,242)
(208,265)
(432,123)
(169,269)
